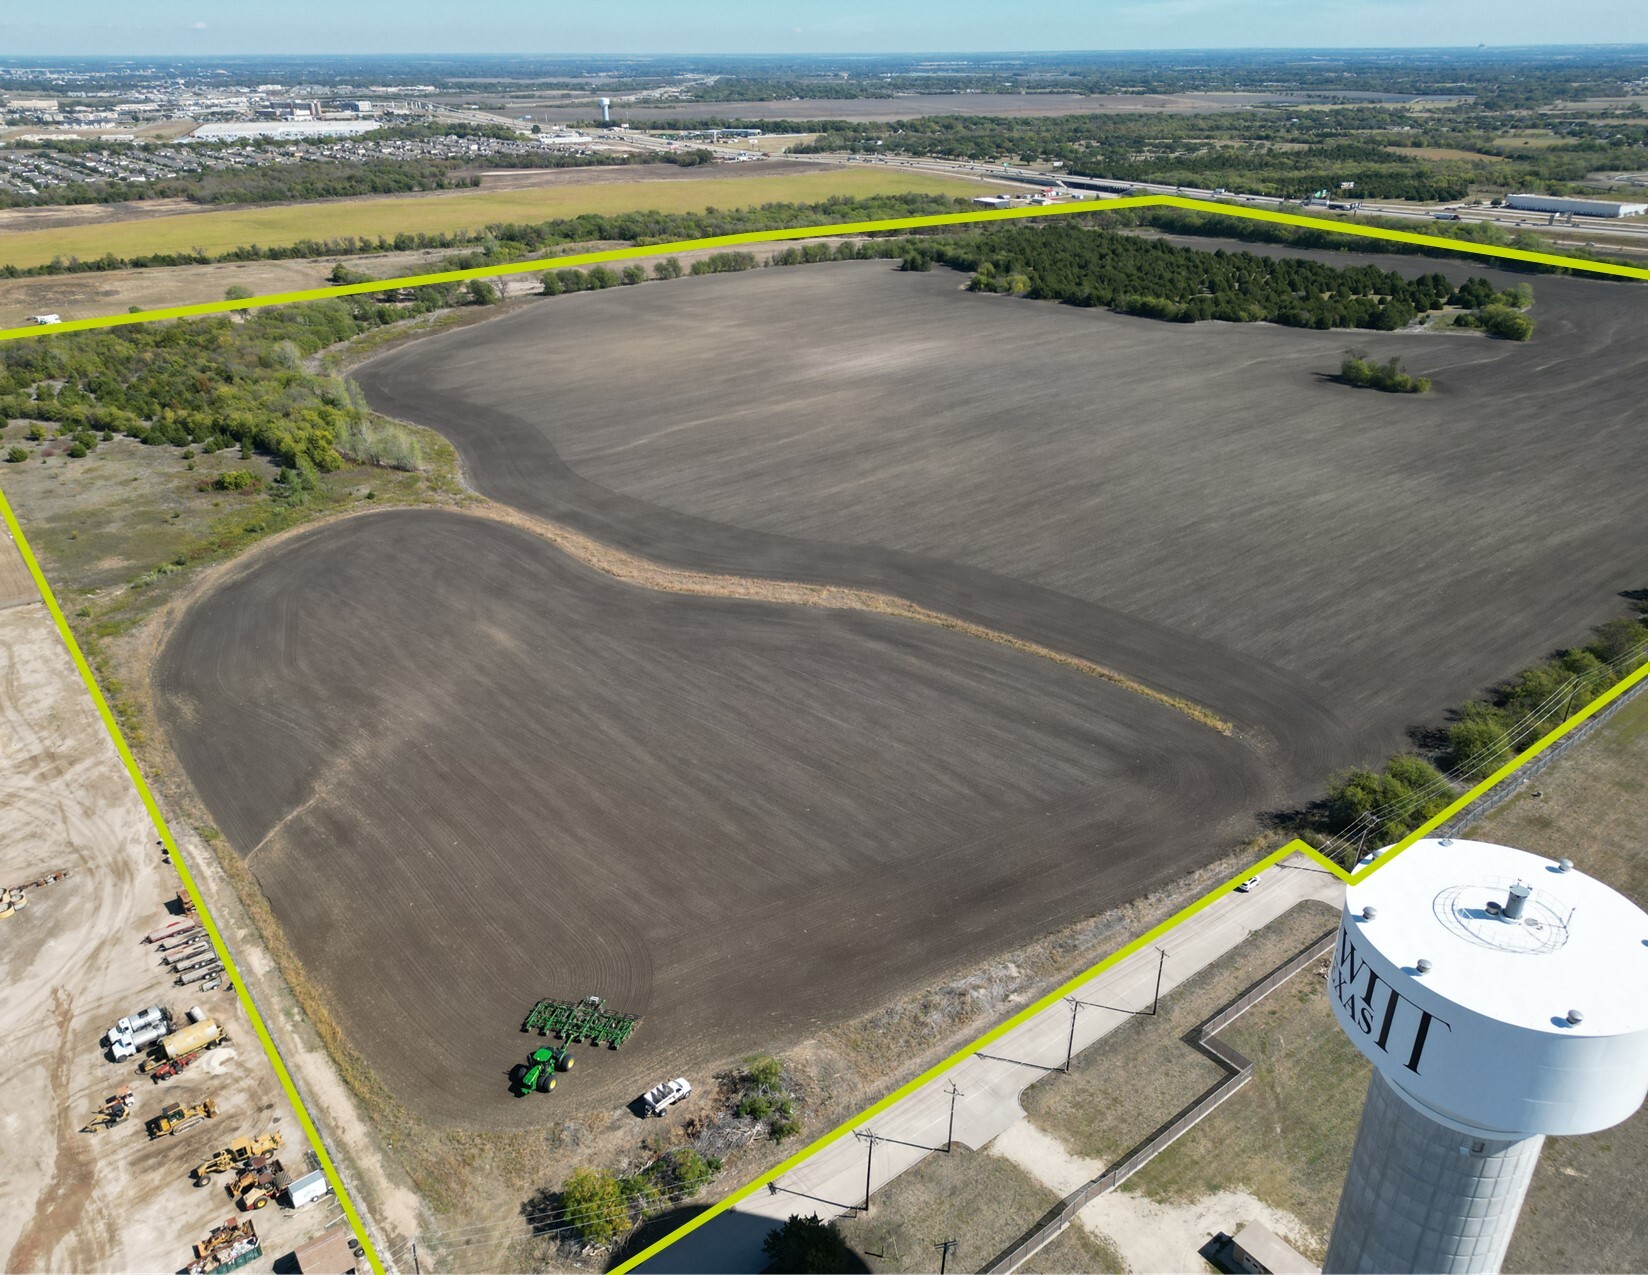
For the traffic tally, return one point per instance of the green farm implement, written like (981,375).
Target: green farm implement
(575,1021)
(538,1073)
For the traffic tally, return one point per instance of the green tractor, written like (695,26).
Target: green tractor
(538,1073)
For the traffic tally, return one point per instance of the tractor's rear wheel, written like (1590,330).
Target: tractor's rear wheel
(547,1080)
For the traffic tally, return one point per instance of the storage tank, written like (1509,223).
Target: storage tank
(127,1046)
(187,1040)
(196,1014)
(1501,997)
(138,1021)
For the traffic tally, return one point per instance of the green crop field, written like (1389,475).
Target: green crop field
(216,232)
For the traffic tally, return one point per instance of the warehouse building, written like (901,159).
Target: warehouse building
(1579,207)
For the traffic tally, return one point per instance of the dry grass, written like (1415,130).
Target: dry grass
(216,232)
(1137,1078)
(82,296)
(982,1201)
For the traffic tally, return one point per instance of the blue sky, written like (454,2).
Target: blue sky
(794,26)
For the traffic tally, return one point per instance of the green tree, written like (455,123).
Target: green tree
(482,293)
(1505,323)
(552,286)
(594,1205)
(632,274)
(669,268)
(807,1246)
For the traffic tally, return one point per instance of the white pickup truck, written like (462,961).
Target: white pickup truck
(655,1100)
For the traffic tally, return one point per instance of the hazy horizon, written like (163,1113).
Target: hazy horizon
(732,28)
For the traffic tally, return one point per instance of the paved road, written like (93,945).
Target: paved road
(832,1182)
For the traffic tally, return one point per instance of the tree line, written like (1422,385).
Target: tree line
(1485,735)
(1161,280)
(214,383)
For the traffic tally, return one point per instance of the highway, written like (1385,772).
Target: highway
(832,1181)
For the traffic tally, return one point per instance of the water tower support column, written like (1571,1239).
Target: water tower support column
(1421,1196)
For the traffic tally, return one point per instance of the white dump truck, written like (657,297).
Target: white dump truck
(655,1100)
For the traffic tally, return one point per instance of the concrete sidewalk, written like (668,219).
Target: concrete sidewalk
(832,1181)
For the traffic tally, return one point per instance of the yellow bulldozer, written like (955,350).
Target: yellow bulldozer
(176,1118)
(235,1155)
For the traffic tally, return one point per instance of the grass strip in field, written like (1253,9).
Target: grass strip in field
(639,571)
(815,232)
(231,970)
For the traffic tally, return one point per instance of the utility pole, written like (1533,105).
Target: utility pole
(1071,1040)
(416,1271)
(1158,990)
(946,1247)
(870,1140)
(951,1127)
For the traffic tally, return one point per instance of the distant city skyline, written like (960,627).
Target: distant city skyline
(141,28)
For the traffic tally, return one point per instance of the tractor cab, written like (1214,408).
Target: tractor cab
(538,1073)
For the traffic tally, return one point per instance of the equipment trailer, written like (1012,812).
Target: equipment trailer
(574,1021)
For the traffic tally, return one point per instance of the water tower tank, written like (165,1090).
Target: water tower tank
(1501,997)
(606,103)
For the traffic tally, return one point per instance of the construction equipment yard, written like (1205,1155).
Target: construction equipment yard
(83,1187)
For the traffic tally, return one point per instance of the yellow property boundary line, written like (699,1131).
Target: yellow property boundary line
(182,864)
(1082,207)
(1071,985)
(735,240)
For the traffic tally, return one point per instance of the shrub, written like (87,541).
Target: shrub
(78,450)
(1504,323)
(632,274)
(1357,369)
(669,268)
(235,480)
(602,277)
(551,285)
(594,1205)
(17,455)
(236,293)
(482,293)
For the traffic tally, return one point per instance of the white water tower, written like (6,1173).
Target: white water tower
(1502,998)
(606,103)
